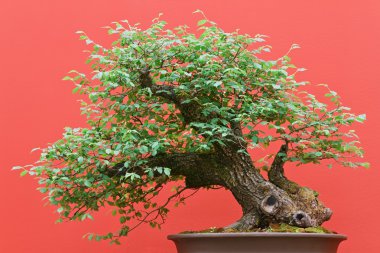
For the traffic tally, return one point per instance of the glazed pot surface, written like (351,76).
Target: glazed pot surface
(257,242)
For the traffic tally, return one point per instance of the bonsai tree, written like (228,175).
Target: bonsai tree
(199,109)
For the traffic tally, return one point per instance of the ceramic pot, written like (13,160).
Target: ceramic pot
(257,242)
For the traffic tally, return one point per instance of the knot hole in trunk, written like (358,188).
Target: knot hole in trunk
(270,205)
(302,219)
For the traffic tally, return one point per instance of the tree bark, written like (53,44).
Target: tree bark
(278,200)
(199,170)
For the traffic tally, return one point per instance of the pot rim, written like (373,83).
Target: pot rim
(255,234)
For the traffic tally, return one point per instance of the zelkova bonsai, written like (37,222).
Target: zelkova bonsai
(170,105)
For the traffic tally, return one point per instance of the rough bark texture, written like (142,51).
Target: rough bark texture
(277,200)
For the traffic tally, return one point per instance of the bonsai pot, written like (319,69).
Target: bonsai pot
(257,242)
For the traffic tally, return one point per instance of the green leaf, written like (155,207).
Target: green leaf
(43,190)
(23,173)
(167,171)
(80,159)
(115,241)
(202,22)
(365,165)
(75,90)
(143,149)
(361,118)
(123,219)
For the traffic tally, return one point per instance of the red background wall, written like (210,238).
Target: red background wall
(340,46)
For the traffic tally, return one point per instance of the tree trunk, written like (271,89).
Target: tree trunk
(263,202)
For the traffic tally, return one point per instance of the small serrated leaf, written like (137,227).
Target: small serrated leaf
(167,171)
(75,90)
(23,173)
(202,22)
(361,118)
(366,165)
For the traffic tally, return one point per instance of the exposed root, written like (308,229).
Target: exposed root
(249,221)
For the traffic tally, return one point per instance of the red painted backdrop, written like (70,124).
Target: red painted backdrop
(340,46)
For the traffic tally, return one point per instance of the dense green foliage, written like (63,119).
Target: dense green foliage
(127,123)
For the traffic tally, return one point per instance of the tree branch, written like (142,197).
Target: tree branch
(164,91)
(276,172)
(191,110)
(200,170)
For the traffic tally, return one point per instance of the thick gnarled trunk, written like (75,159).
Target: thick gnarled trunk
(271,201)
